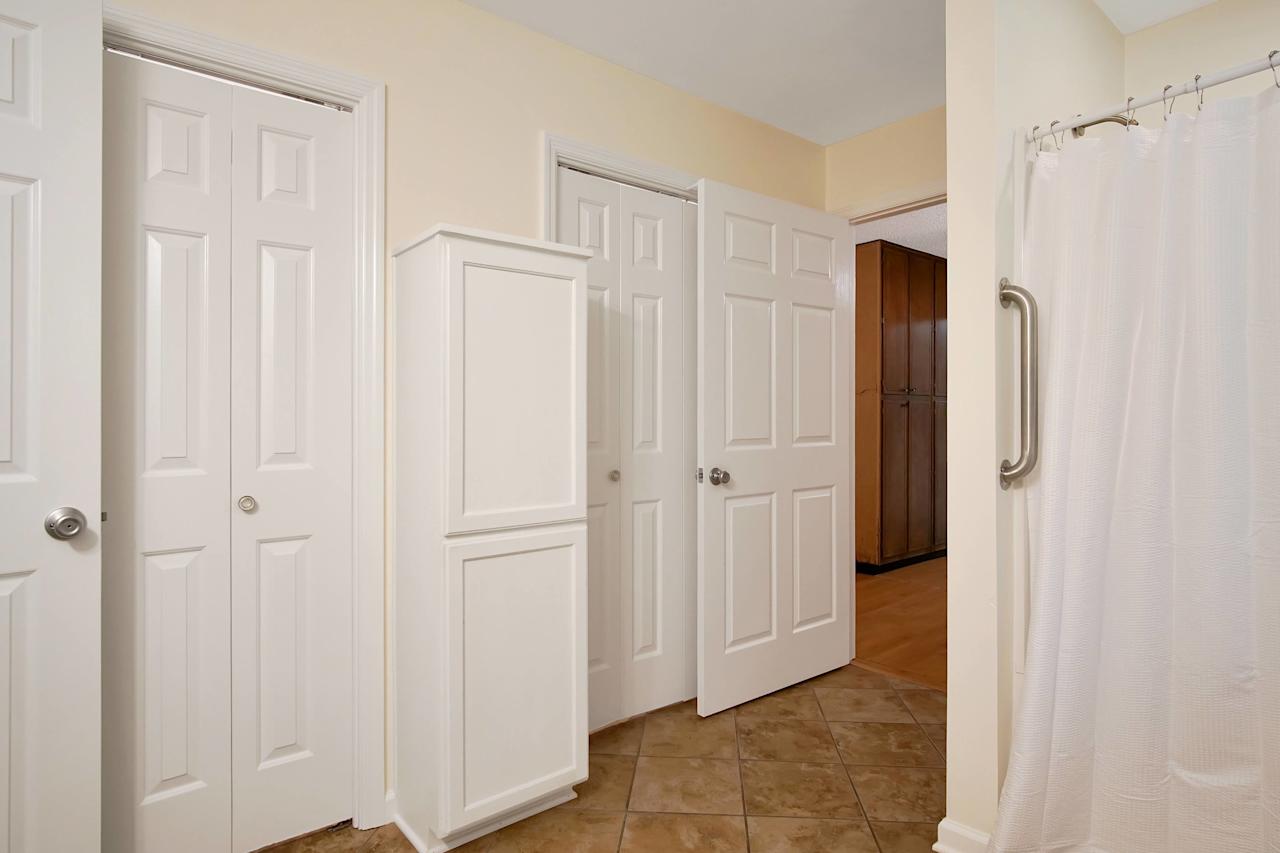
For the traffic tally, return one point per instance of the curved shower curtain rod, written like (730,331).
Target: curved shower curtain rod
(1198,84)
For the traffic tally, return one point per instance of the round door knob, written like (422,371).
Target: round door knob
(718,476)
(247,503)
(65,522)
(615,475)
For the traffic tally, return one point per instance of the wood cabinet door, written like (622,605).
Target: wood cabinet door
(939,473)
(894,305)
(919,475)
(940,328)
(920,321)
(894,455)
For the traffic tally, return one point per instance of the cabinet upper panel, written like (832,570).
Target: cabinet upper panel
(516,386)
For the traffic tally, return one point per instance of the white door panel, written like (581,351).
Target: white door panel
(636,423)
(651,255)
(589,215)
(166,473)
(775,291)
(292,297)
(50,452)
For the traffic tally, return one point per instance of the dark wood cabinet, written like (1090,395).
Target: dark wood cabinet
(900,410)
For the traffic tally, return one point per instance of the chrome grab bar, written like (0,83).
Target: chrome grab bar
(1011,294)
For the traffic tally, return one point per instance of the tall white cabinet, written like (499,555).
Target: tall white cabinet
(490,531)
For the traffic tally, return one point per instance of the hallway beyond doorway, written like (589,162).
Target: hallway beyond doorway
(902,622)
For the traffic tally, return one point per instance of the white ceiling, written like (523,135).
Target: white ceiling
(1129,16)
(924,230)
(822,69)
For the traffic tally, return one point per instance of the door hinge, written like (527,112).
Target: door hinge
(699,475)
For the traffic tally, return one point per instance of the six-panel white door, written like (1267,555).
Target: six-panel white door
(636,432)
(774,305)
(228,621)
(50,322)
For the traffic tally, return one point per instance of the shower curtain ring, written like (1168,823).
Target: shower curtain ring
(1129,120)
(1271,60)
(1168,104)
(1199,95)
(1056,141)
(1039,142)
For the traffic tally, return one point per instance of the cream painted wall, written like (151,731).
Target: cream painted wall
(469,94)
(897,164)
(1217,36)
(1010,63)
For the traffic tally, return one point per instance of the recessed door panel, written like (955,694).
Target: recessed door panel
(814,563)
(750,570)
(895,336)
(813,366)
(920,490)
(894,456)
(285,305)
(749,350)
(920,320)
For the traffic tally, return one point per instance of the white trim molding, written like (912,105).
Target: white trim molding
(954,837)
(560,151)
(153,38)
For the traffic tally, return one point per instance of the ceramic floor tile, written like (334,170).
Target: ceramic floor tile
(851,676)
(690,736)
(620,739)
(901,793)
(608,784)
(862,706)
(679,833)
(785,740)
(902,744)
(686,785)
(937,734)
(555,831)
(791,703)
(927,706)
(906,837)
(809,835)
(790,789)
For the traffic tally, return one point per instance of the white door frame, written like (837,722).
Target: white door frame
(154,38)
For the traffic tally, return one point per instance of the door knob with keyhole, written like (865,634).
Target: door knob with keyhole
(718,476)
(247,503)
(65,522)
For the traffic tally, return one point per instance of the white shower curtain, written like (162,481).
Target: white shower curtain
(1150,717)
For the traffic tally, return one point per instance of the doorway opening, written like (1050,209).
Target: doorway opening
(900,370)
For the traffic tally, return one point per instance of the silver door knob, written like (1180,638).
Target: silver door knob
(247,503)
(718,476)
(65,522)
(615,475)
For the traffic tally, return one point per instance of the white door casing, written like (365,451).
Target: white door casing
(50,452)
(166,472)
(636,430)
(775,292)
(292,304)
(230,299)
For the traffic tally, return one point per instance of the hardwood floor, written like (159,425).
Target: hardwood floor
(902,622)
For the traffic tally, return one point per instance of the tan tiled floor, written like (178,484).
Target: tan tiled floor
(849,762)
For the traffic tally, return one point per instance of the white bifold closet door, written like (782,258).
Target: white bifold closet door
(227,424)
(775,297)
(637,420)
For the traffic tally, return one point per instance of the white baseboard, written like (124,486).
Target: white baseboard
(433,844)
(954,837)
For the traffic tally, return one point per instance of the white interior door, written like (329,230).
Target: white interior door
(775,292)
(229,306)
(50,322)
(636,437)
(166,472)
(292,581)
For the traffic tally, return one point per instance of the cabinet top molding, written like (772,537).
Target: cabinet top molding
(446,230)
